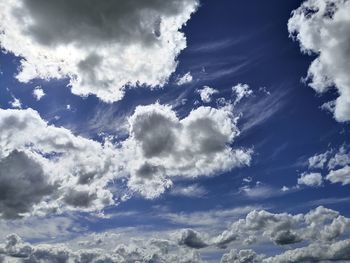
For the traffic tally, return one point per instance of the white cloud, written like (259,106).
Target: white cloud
(341,175)
(186,78)
(16,103)
(323,28)
(206,93)
(162,146)
(241,91)
(318,161)
(100,46)
(38,93)
(310,179)
(193,190)
(245,255)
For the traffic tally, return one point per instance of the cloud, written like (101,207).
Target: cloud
(191,238)
(38,93)
(241,91)
(16,103)
(310,179)
(341,175)
(40,164)
(186,78)
(206,93)
(323,28)
(319,225)
(102,47)
(193,190)
(154,250)
(337,164)
(162,146)
(245,255)
(335,252)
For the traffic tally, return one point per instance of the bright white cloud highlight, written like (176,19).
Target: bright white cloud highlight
(323,28)
(310,179)
(38,93)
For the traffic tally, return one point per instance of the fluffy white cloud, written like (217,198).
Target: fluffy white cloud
(162,146)
(245,255)
(16,103)
(45,168)
(341,175)
(323,28)
(38,93)
(241,91)
(100,46)
(186,78)
(310,179)
(206,93)
(337,164)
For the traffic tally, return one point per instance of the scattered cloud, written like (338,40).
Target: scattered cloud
(206,93)
(185,79)
(16,103)
(38,93)
(310,179)
(322,28)
(193,190)
(240,91)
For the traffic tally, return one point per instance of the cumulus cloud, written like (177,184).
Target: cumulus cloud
(240,91)
(191,238)
(102,47)
(335,161)
(40,164)
(206,93)
(245,255)
(38,93)
(162,146)
(318,225)
(323,28)
(186,78)
(154,250)
(16,103)
(310,179)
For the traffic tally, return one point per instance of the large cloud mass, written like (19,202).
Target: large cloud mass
(100,45)
(322,27)
(162,146)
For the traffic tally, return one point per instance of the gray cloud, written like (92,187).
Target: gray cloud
(23,184)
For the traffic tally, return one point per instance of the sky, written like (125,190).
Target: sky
(174,131)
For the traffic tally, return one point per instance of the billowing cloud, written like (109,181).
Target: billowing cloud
(245,255)
(191,238)
(341,175)
(323,28)
(102,47)
(162,146)
(41,164)
(154,250)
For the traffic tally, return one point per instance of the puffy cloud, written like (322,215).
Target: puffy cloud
(323,28)
(41,164)
(337,164)
(241,91)
(191,238)
(241,256)
(318,225)
(162,146)
(206,93)
(335,252)
(341,175)
(38,93)
(186,78)
(102,47)
(154,250)
(310,179)
(16,103)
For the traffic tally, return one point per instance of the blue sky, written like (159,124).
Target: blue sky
(254,127)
